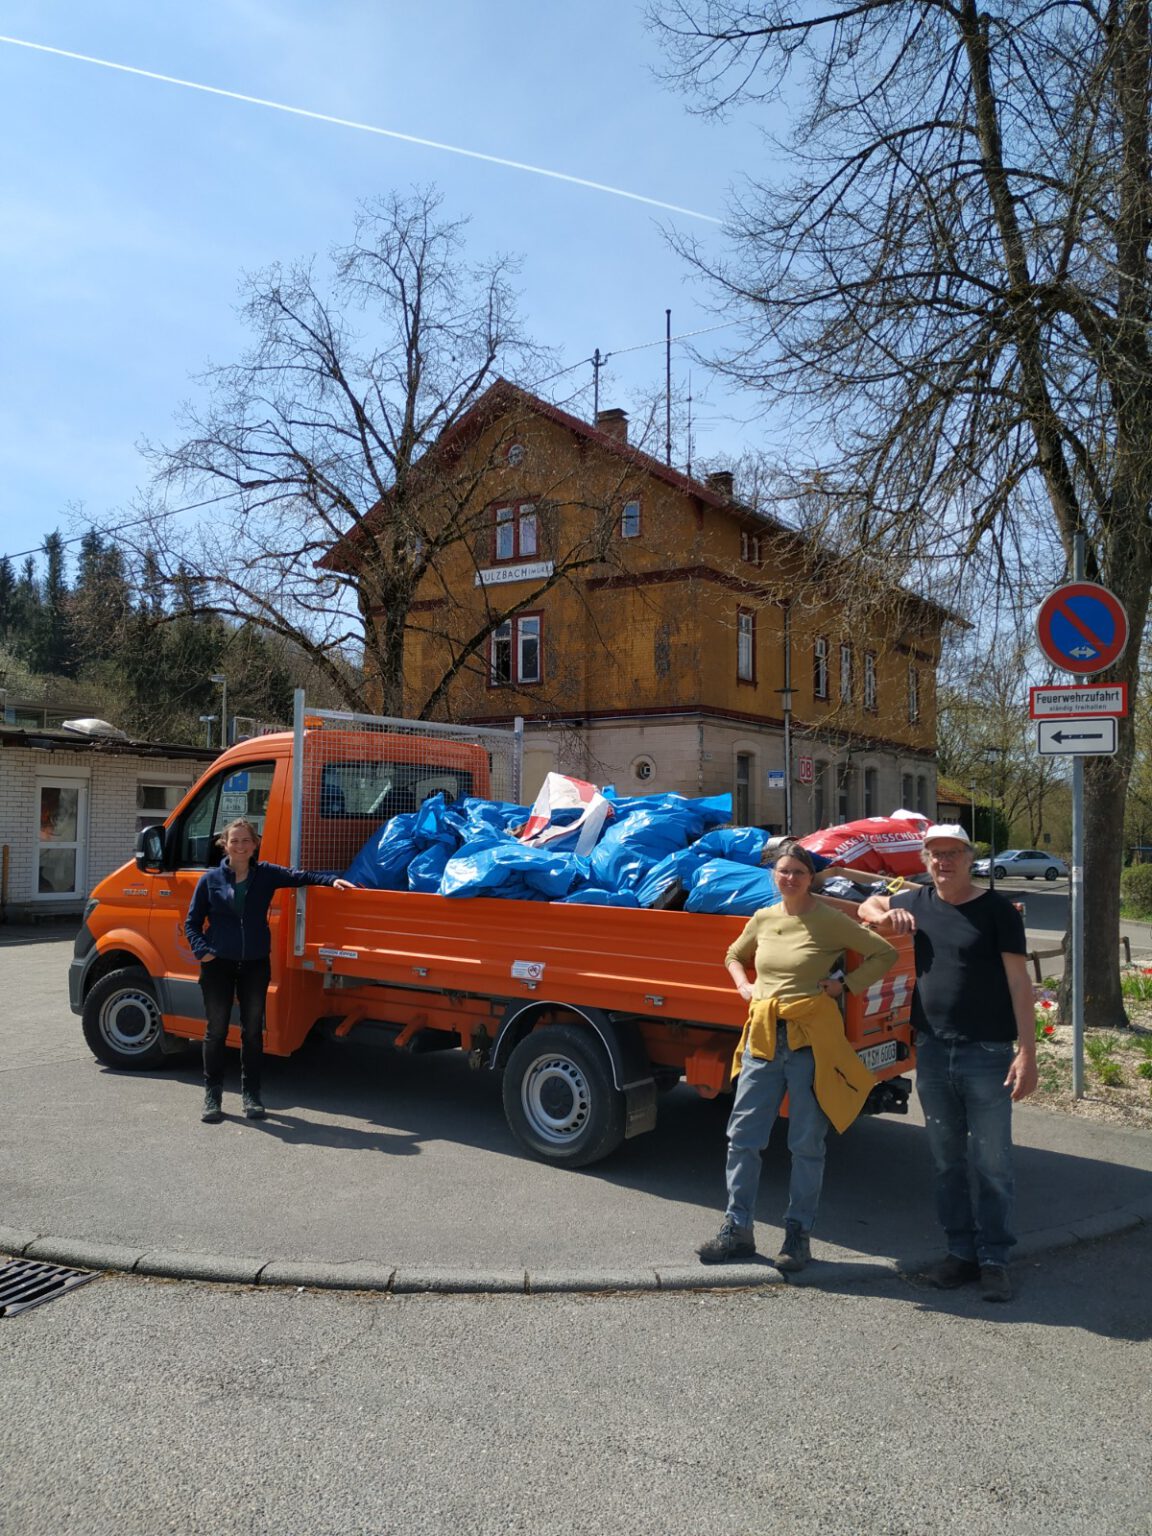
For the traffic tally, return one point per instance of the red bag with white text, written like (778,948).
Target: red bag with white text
(883,845)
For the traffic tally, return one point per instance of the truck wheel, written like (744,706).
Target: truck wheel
(559,1097)
(122,1021)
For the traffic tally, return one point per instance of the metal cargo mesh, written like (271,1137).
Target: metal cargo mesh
(355,772)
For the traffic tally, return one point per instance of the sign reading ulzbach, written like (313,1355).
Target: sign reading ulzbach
(1082,627)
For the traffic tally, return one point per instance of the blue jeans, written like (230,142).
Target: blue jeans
(760,1091)
(968,1116)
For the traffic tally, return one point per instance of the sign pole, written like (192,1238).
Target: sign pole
(1077,892)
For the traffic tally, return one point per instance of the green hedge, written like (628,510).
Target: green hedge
(1136,890)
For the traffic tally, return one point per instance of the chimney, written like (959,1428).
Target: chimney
(720,481)
(614,422)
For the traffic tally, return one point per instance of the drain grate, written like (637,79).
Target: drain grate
(27,1283)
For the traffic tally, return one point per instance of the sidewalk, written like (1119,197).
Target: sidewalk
(383,1171)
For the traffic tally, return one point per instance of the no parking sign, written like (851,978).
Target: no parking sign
(1082,627)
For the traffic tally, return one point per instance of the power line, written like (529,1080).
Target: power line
(344,122)
(120,527)
(212,501)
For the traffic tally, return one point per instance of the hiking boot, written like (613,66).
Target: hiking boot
(995,1282)
(952,1272)
(731,1243)
(253,1108)
(211,1114)
(795,1250)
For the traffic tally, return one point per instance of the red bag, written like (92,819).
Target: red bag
(883,845)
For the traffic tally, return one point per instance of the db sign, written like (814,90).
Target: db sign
(804,773)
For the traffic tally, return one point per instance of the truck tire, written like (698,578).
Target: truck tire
(559,1098)
(122,1021)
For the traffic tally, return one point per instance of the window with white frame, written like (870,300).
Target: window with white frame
(913,695)
(844,792)
(742,799)
(870,703)
(61,836)
(820,793)
(516,651)
(630,520)
(820,667)
(515,532)
(750,548)
(745,645)
(845,674)
(871,792)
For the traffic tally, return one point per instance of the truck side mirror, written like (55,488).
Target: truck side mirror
(150,850)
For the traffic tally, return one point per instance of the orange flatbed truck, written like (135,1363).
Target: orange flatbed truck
(589,1012)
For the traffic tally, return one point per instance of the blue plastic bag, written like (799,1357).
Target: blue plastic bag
(648,828)
(595,896)
(427,869)
(382,863)
(722,886)
(508,869)
(680,866)
(743,845)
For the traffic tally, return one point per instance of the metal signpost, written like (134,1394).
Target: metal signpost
(1082,628)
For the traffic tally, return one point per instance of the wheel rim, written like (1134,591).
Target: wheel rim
(556,1099)
(130,1022)
(1050,874)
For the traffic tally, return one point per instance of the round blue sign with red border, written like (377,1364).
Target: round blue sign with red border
(1082,627)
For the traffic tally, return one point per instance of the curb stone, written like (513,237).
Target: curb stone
(367,1276)
(350,1276)
(199,1266)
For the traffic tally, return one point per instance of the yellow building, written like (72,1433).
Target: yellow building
(654,631)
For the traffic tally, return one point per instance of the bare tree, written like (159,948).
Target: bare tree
(986,740)
(952,291)
(328,513)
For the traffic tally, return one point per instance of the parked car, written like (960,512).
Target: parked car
(1028,862)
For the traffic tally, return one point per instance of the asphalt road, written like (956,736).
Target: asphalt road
(370,1156)
(135,1407)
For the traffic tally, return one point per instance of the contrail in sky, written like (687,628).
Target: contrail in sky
(384,133)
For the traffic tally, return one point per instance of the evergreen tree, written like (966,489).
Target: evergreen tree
(52,643)
(7,598)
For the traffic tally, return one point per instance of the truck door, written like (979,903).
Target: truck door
(227,795)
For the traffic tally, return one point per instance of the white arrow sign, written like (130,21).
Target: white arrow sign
(1076,738)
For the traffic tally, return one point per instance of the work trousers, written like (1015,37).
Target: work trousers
(222,983)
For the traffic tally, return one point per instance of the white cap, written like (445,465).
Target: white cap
(948,830)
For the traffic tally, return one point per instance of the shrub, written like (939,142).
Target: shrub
(1110,1074)
(1136,890)
(1144,1069)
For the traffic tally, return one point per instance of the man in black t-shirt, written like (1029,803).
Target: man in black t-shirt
(974,1017)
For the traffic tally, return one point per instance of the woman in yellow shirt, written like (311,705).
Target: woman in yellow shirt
(793,1042)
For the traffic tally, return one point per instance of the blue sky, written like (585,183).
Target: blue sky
(129,208)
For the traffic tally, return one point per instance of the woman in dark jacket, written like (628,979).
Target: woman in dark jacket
(233,950)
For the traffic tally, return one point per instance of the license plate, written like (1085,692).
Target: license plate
(876,1056)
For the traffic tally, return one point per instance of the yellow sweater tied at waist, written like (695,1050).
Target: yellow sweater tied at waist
(842,1081)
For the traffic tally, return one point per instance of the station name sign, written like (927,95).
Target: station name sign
(496,575)
(1067,701)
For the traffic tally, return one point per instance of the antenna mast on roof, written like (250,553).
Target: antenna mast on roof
(668,387)
(597,363)
(688,471)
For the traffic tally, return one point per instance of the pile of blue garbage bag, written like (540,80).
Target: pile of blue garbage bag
(661,850)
